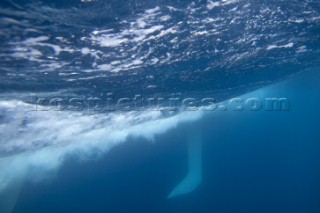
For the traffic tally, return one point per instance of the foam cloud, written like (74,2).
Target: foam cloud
(34,144)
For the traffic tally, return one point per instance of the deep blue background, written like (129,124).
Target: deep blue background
(253,162)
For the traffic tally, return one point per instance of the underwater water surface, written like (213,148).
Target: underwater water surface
(159,106)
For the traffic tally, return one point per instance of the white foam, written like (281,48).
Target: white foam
(36,40)
(110,40)
(227,2)
(152,11)
(85,51)
(165,18)
(302,49)
(211,5)
(39,141)
(289,45)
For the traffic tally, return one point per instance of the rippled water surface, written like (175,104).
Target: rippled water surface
(63,149)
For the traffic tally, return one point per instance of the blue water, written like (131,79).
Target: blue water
(58,159)
(253,162)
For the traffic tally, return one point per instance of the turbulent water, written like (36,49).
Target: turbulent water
(65,63)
